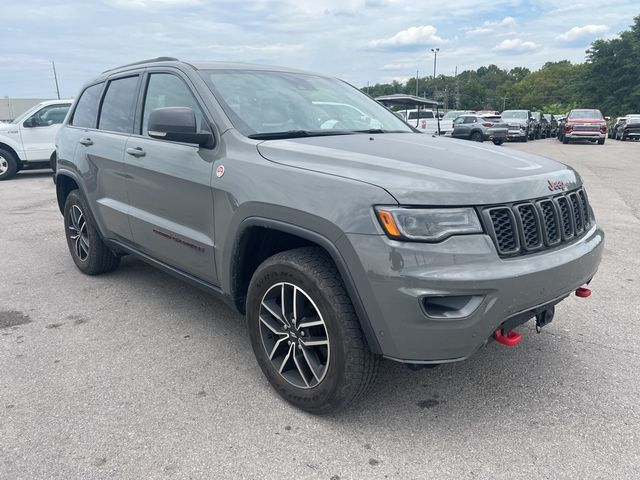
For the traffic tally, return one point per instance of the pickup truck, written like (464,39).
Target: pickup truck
(585,124)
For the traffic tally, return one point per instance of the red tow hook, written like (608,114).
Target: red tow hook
(583,292)
(511,339)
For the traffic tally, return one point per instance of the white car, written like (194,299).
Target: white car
(29,141)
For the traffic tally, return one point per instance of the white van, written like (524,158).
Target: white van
(29,141)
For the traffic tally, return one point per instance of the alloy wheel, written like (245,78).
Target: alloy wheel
(78,232)
(294,335)
(4,165)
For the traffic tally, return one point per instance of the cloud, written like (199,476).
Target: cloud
(410,38)
(515,44)
(490,27)
(578,32)
(153,3)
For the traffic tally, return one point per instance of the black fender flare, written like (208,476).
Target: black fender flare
(324,242)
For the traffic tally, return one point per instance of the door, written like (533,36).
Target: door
(170,196)
(104,128)
(460,127)
(38,132)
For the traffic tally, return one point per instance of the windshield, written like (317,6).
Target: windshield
(515,114)
(21,118)
(260,103)
(585,114)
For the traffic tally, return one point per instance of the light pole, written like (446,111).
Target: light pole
(435,59)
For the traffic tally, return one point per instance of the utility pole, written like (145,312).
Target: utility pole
(417,82)
(55,77)
(504,102)
(457,94)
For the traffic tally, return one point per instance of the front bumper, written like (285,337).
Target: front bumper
(586,135)
(400,275)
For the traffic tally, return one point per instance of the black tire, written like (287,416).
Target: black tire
(477,137)
(498,141)
(53,162)
(97,258)
(350,367)
(565,140)
(623,138)
(8,165)
(601,141)
(524,139)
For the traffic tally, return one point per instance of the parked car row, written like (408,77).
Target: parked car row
(626,128)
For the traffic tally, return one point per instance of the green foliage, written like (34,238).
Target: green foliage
(608,80)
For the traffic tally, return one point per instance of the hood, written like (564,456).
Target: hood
(418,169)
(7,126)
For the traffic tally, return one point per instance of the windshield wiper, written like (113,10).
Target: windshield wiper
(297,134)
(379,130)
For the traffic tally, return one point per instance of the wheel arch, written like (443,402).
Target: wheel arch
(10,149)
(65,184)
(258,238)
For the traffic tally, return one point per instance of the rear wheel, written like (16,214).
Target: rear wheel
(52,161)
(305,333)
(565,140)
(8,165)
(601,141)
(89,252)
(498,141)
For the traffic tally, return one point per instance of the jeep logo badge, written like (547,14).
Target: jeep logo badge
(220,171)
(555,185)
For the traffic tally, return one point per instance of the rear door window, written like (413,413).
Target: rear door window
(116,114)
(86,111)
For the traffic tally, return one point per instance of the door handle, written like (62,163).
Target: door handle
(86,142)
(136,152)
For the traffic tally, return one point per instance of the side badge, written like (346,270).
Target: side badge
(220,171)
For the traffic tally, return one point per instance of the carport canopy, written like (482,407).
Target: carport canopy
(406,101)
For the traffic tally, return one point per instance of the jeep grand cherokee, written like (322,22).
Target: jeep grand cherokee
(341,243)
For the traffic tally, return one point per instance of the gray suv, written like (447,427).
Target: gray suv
(341,243)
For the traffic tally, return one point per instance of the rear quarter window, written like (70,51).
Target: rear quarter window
(86,112)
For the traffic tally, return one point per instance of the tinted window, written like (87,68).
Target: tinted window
(116,114)
(87,108)
(167,90)
(420,114)
(469,119)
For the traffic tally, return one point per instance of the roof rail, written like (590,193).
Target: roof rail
(149,60)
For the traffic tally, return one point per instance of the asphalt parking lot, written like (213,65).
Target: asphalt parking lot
(136,375)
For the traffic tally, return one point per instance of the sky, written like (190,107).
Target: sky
(359,41)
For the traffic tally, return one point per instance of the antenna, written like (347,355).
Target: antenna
(55,77)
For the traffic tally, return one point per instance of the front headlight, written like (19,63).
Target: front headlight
(427,224)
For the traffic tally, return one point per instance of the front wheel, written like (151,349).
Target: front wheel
(305,333)
(89,252)
(8,165)
(498,141)
(601,141)
(565,140)
(476,137)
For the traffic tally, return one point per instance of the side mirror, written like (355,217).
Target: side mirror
(607,118)
(177,124)
(30,122)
